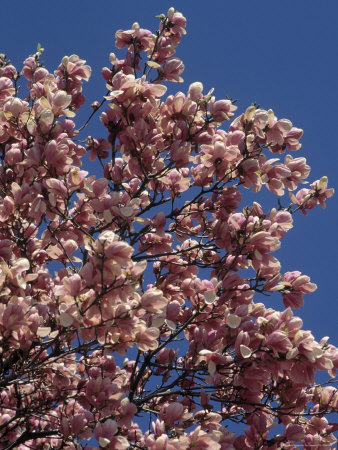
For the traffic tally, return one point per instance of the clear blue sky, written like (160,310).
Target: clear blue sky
(281,54)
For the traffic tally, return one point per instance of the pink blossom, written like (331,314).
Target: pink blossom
(15,106)
(6,89)
(172,70)
(222,110)
(153,300)
(299,171)
(295,286)
(177,20)
(98,147)
(279,342)
(195,91)
(74,67)
(105,431)
(146,339)
(173,413)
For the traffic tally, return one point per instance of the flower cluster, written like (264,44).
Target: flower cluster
(155,250)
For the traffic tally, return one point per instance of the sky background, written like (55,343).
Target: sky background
(280,54)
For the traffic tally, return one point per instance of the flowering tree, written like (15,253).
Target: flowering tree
(157,250)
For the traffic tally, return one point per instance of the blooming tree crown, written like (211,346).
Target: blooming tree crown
(156,249)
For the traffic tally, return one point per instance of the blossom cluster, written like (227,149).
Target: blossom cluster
(155,250)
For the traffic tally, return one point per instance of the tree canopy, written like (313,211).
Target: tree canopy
(139,296)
